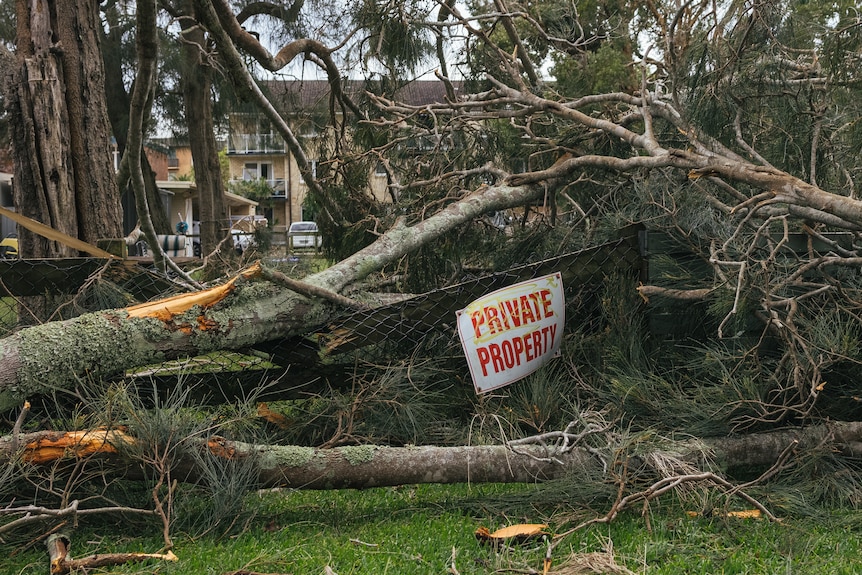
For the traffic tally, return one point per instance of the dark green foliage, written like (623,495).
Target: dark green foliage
(390,405)
(542,402)
(606,69)
(394,39)
(346,215)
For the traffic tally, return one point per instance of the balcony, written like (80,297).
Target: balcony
(173,163)
(278,185)
(255,144)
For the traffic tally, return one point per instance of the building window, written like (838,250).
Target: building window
(257,171)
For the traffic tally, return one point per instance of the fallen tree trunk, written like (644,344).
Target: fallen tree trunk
(244,311)
(375,466)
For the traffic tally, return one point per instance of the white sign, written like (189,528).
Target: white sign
(510,333)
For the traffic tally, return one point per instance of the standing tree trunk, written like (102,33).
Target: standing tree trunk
(196,83)
(118,103)
(63,171)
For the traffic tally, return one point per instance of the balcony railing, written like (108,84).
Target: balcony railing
(173,162)
(255,144)
(278,185)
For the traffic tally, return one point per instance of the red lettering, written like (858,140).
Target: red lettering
(503,315)
(528,346)
(527,310)
(496,360)
(508,353)
(518,345)
(484,358)
(534,297)
(494,324)
(537,342)
(553,330)
(514,311)
(545,294)
(478,319)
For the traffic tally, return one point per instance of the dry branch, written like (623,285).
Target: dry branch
(61,563)
(647,291)
(34,513)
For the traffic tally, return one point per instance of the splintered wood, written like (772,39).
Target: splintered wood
(167,308)
(75,443)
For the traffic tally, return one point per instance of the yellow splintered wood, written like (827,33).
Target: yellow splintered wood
(521,530)
(77,443)
(165,309)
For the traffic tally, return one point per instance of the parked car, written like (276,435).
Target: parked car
(9,247)
(303,235)
(242,240)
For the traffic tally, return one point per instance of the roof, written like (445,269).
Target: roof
(236,200)
(191,188)
(310,94)
(177,185)
(170,141)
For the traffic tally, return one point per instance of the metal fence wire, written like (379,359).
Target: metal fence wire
(34,291)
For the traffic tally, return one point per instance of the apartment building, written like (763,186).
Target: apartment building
(257,152)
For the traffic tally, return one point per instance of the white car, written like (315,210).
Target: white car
(242,240)
(303,235)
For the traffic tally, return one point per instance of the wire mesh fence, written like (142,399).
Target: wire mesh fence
(35,291)
(40,290)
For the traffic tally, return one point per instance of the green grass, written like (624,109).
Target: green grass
(414,530)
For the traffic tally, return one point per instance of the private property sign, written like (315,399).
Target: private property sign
(510,333)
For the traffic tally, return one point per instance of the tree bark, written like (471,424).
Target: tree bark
(374,466)
(196,83)
(118,104)
(63,173)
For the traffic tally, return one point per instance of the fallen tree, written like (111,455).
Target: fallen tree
(529,460)
(629,479)
(573,148)
(239,313)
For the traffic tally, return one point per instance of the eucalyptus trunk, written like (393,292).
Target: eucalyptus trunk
(367,466)
(118,103)
(244,311)
(196,83)
(61,135)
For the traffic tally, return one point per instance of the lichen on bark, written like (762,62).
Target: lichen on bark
(358,454)
(48,355)
(286,456)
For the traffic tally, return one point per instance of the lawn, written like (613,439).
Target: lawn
(429,529)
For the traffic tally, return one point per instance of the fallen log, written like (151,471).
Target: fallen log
(376,466)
